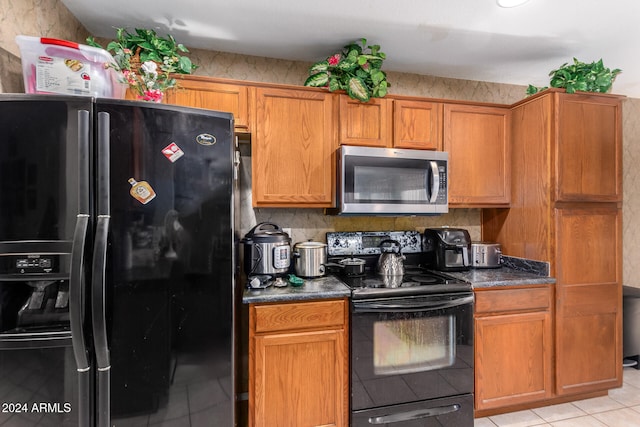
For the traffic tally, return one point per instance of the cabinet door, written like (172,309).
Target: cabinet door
(299,379)
(200,93)
(365,123)
(513,346)
(417,124)
(588,299)
(513,359)
(589,148)
(293,148)
(477,139)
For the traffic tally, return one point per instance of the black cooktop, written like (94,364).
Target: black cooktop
(416,281)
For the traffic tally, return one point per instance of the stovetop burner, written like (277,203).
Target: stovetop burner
(423,279)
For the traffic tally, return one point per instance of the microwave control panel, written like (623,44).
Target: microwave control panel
(442,192)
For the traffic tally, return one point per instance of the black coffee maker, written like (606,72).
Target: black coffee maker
(447,249)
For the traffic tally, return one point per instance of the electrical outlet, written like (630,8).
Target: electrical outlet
(287,230)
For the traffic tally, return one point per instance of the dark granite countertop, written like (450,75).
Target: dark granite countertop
(514,272)
(318,288)
(503,276)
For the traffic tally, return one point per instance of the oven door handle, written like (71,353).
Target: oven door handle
(409,305)
(414,415)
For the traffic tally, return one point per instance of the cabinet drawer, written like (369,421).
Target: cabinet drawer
(292,316)
(513,300)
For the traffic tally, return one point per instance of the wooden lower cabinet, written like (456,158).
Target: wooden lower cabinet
(298,364)
(589,298)
(513,346)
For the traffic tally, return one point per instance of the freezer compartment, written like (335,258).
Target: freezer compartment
(455,411)
(39,388)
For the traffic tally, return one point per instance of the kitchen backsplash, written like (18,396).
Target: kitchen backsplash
(50,18)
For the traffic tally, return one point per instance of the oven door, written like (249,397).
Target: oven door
(392,181)
(411,349)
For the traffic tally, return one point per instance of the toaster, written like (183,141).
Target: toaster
(486,255)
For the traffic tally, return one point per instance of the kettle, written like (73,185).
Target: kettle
(391,260)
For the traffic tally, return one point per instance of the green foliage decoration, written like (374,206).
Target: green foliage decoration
(146,61)
(356,70)
(579,76)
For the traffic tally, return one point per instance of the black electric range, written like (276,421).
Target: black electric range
(411,337)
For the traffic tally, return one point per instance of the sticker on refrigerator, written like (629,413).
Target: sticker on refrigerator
(141,191)
(172,152)
(206,139)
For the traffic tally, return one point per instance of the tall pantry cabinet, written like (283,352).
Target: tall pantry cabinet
(566,208)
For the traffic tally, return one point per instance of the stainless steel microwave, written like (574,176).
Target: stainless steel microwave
(390,181)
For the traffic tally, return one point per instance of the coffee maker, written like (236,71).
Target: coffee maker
(447,249)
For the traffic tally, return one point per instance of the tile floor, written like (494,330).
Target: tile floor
(621,408)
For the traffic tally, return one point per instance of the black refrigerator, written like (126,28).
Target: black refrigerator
(116,263)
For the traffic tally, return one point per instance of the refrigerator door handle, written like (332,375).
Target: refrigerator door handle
(76,318)
(100,342)
(76,294)
(99,270)
(98,295)
(77,284)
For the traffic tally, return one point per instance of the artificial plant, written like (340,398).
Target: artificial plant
(356,69)
(593,77)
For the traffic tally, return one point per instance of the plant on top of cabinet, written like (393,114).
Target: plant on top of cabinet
(146,61)
(593,77)
(354,70)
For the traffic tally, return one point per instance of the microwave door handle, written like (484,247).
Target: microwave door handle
(435,181)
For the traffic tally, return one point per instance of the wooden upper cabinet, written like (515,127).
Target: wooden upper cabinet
(477,139)
(366,123)
(417,124)
(202,92)
(589,148)
(388,122)
(293,145)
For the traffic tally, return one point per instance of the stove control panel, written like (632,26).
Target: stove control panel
(368,242)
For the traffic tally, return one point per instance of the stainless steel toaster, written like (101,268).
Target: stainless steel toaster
(486,255)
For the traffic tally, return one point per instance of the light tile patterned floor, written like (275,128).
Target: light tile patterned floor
(621,408)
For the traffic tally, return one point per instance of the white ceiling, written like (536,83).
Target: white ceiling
(466,39)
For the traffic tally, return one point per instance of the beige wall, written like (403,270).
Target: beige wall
(50,18)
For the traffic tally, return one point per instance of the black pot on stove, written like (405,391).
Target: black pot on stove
(352,267)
